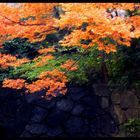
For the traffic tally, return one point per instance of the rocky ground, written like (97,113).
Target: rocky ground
(82,112)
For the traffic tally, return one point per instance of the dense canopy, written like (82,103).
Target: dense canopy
(105,25)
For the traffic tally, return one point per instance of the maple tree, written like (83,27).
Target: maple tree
(101,29)
(32,21)
(92,22)
(39,21)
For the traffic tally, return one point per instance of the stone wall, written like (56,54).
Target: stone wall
(123,105)
(84,111)
(126,106)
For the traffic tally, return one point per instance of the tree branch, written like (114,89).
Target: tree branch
(23,23)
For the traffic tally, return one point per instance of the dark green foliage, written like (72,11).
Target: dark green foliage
(133,126)
(4,73)
(87,61)
(54,38)
(136,11)
(29,17)
(21,47)
(124,66)
(82,41)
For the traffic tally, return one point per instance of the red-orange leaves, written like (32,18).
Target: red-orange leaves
(18,62)
(15,84)
(69,65)
(46,50)
(34,30)
(53,81)
(55,75)
(36,86)
(43,60)
(5,59)
(84,46)
(99,24)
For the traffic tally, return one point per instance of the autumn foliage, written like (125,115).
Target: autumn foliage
(69,65)
(7,60)
(15,84)
(86,21)
(52,81)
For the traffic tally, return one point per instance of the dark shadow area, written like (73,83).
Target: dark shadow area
(78,113)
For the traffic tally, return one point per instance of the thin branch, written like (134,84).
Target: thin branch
(39,34)
(23,23)
(85,51)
